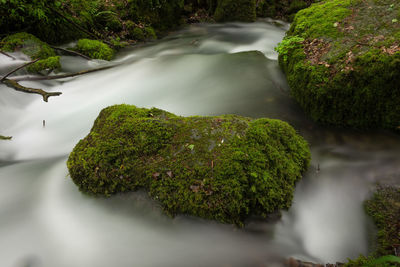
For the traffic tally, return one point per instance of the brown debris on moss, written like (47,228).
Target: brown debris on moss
(222,168)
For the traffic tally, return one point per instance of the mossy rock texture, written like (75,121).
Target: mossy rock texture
(223,168)
(384,209)
(342,61)
(33,47)
(235,10)
(94,49)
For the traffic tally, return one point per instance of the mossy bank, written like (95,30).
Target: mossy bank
(384,209)
(223,168)
(342,61)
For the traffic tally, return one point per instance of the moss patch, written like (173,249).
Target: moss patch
(384,209)
(34,48)
(28,44)
(222,168)
(50,63)
(140,33)
(94,49)
(346,72)
(235,10)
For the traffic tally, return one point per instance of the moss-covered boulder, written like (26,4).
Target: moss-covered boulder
(34,48)
(222,168)
(235,10)
(94,49)
(342,61)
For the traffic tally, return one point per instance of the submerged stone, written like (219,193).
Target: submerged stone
(223,168)
(342,61)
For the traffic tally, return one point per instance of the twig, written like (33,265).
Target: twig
(360,43)
(20,67)
(61,76)
(7,55)
(18,87)
(71,52)
(2,137)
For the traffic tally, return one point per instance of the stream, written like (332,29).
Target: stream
(45,221)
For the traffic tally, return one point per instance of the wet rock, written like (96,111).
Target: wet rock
(252,169)
(342,61)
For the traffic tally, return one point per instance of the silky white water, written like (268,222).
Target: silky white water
(46,221)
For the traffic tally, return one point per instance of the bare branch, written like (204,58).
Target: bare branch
(79,27)
(18,87)
(56,77)
(7,55)
(71,52)
(20,67)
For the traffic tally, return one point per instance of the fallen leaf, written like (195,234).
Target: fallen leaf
(195,188)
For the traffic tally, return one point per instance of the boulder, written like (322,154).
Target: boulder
(342,61)
(34,48)
(94,49)
(223,168)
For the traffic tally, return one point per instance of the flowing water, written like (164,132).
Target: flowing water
(46,221)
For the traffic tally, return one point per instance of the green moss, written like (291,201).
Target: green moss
(150,33)
(94,49)
(50,63)
(287,45)
(109,19)
(334,78)
(235,10)
(319,19)
(222,168)
(140,33)
(28,44)
(384,261)
(160,14)
(384,209)
(34,48)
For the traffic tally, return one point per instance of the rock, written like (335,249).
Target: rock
(342,61)
(291,262)
(34,48)
(251,169)
(94,49)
